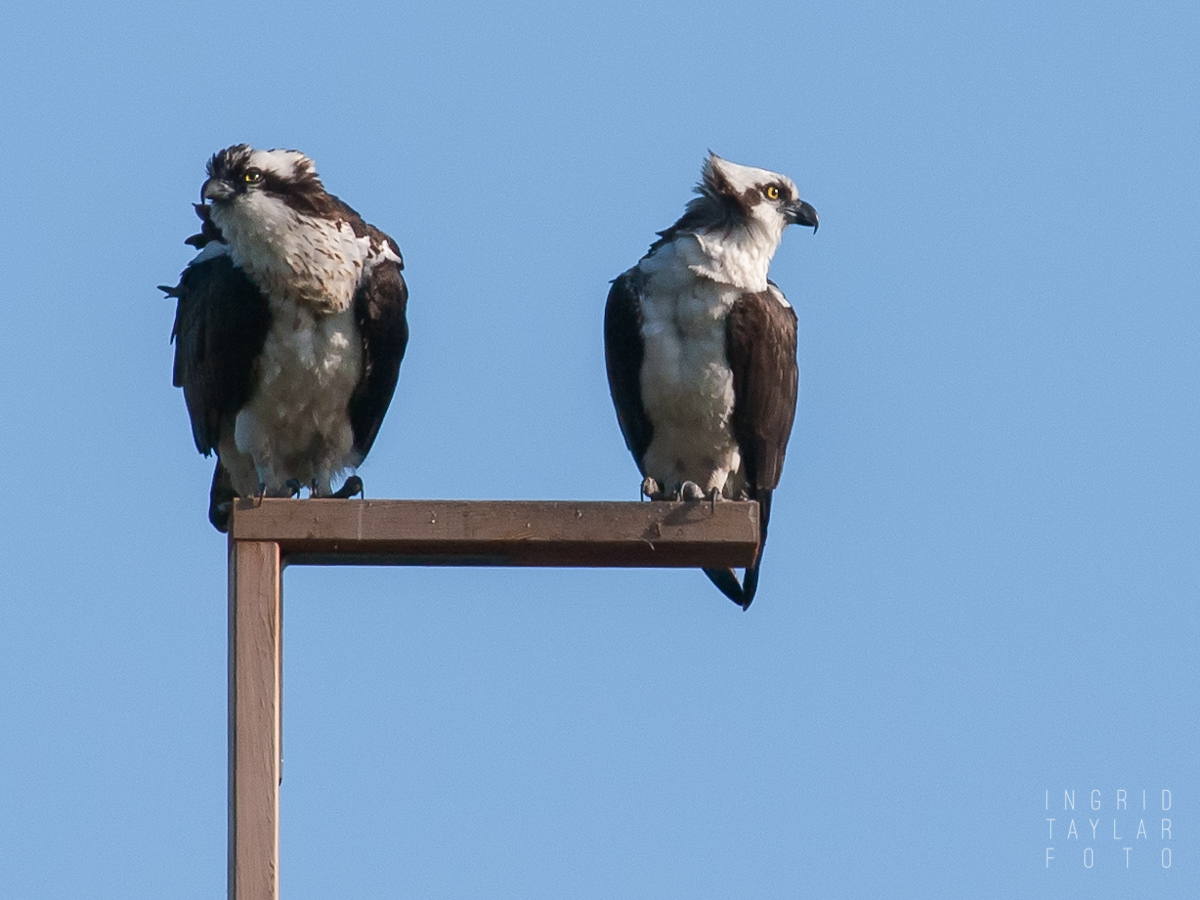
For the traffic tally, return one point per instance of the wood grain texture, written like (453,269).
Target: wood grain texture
(255,685)
(502,532)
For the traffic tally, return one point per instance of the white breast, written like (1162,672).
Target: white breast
(740,257)
(687,386)
(296,425)
(308,260)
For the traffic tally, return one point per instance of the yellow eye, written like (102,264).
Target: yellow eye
(252,176)
(772,192)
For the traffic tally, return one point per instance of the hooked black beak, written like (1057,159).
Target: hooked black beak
(216,189)
(802,213)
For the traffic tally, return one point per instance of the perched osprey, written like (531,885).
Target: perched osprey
(289,329)
(701,350)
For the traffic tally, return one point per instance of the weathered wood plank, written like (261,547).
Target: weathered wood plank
(255,685)
(502,532)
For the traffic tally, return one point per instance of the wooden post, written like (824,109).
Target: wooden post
(255,686)
(265,535)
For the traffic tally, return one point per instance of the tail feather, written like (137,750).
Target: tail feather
(750,579)
(726,579)
(220,498)
(750,584)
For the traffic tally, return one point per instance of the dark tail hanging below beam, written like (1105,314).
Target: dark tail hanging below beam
(726,580)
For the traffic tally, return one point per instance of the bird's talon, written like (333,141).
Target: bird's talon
(650,489)
(353,486)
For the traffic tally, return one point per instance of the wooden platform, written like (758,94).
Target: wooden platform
(265,536)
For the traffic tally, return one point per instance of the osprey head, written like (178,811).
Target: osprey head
(756,197)
(241,174)
(736,223)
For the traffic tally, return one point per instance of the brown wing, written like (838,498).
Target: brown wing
(623,351)
(380,308)
(221,324)
(760,344)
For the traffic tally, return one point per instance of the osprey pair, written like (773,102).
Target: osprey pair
(290,328)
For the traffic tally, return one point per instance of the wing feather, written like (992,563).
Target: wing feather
(221,324)
(623,352)
(760,343)
(380,308)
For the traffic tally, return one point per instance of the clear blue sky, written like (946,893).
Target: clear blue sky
(983,571)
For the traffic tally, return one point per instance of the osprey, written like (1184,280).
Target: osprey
(700,348)
(289,330)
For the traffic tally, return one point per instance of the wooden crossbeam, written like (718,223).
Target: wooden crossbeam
(502,532)
(265,536)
